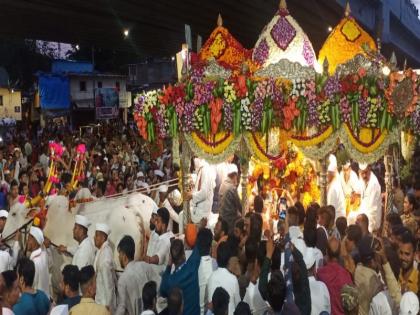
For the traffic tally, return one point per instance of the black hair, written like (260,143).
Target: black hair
(240,224)
(175,301)
(86,274)
(149,295)
(365,219)
(251,250)
(276,292)
(13,183)
(311,215)
(224,226)
(26,270)
(354,233)
(223,255)
(301,212)
(256,225)
(163,213)
(408,238)
(309,236)
(71,277)
(242,309)
(258,204)
(220,301)
(204,241)
(412,200)
(394,219)
(293,216)
(233,243)
(341,224)
(9,277)
(327,212)
(127,246)
(177,251)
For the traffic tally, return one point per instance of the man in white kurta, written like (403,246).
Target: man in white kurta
(40,258)
(8,256)
(201,197)
(371,199)
(132,280)
(84,254)
(335,194)
(106,280)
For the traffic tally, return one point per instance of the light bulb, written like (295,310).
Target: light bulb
(385,70)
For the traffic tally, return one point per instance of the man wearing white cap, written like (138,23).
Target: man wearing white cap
(106,280)
(320,297)
(335,194)
(3,218)
(201,197)
(40,258)
(230,207)
(371,200)
(84,254)
(409,304)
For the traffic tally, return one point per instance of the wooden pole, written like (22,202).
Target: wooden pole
(185,168)
(389,196)
(244,175)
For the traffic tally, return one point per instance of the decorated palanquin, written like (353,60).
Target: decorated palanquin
(264,101)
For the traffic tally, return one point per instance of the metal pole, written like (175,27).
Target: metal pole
(389,174)
(323,181)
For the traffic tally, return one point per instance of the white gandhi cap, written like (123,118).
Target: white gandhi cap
(232,168)
(102,227)
(37,234)
(4,214)
(82,220)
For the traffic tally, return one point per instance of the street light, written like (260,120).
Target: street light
(126,32)
(329,29)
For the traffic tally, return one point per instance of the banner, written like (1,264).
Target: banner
(106,103)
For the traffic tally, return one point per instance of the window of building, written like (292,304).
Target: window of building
(17,109)
(99,84)
(82,85)
(117,85)
(1,100)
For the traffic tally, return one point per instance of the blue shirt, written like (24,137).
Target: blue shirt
(34,304)
(185,278)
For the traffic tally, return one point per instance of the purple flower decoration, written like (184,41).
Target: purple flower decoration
(283,33)
(261,52)
(415,121)
(257,109)
(345,109)
(227,116)
(332,87)
(363,111)
(308,52)
(203,93)
(187,125)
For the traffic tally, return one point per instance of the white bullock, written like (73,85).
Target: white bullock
(126,215)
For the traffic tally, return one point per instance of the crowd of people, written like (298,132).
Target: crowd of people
(335,259)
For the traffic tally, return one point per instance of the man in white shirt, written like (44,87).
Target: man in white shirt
(320,297)
(207,265)
(223,278)
(160,255)
(201,197)
(40,258)
(106,279)
(84,254)
(132,280)
(371,200)
(335,195)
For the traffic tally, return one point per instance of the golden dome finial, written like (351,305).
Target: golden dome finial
(219,20)
(283,5)
(348,10)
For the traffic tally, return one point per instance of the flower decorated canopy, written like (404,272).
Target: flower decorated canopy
(283,38)
(223,47)
(345,41)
